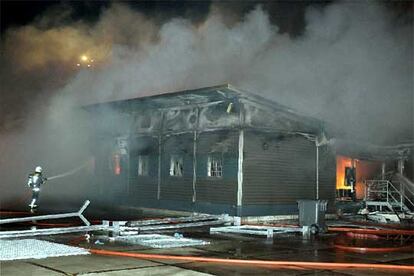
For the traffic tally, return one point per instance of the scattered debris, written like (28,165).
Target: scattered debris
(383,217)
(87,238)
(178,235)
(161,241)
(137,227)
(98,242)
(194,218)
(116,228)
(267,231)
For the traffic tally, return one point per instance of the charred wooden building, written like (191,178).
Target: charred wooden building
(213,150)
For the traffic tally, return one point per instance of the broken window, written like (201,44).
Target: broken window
(143,165)
(176,165)
(215,166)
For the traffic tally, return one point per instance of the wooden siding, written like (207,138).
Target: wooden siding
(217,189)
(327,176)
(278,168)
(177,187)
(143,188)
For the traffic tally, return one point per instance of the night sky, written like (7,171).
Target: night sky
(288,15)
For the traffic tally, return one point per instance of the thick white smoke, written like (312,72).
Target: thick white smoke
(352,67)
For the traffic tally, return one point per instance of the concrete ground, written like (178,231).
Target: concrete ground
(280,248)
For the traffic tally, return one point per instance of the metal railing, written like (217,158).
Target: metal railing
(55,216)
(386,191)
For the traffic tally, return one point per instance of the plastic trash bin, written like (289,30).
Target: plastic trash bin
(312,214)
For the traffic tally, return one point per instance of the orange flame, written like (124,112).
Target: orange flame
(341,163)
(117,164)
(364,170)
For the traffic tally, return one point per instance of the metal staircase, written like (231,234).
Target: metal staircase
(384,195)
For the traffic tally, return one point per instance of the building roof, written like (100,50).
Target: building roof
(366,151)
(224,92)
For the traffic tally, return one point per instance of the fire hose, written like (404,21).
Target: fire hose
(373,231)
(361,233)
(364,233)
(273,264)
(358,249)
(290,264)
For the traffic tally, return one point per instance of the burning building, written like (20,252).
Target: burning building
(361,171)
(378,175)
(213,150)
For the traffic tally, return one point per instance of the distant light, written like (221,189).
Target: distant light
(78,64)
(84,58)
(89,65)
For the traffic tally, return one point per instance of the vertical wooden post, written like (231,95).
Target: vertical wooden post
(240,163)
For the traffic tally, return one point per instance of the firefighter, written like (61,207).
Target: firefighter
(350,180)
(36,180)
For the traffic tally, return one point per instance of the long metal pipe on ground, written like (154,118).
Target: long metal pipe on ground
(161,227)
(55,216)
(381,231)
(196,218)
(154,225)
(274,264)
(50,231)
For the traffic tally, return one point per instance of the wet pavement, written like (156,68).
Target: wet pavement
(283,247)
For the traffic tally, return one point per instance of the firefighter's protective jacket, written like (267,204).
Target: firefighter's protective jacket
(35,181)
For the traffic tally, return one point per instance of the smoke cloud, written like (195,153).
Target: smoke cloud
(351,66)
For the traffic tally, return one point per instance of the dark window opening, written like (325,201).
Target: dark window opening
(215,166)
(143,165)
(176,165)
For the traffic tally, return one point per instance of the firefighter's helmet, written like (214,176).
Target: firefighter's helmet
(38,169)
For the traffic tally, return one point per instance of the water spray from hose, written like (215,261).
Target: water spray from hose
(73,171)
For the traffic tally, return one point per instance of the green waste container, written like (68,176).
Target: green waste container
(312,214)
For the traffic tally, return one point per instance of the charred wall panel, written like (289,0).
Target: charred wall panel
(146,120)
(275,119)
(143,187)
(327,176)
(177,120)
(177,187)
(223,144)
(278,168)
(224,114)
